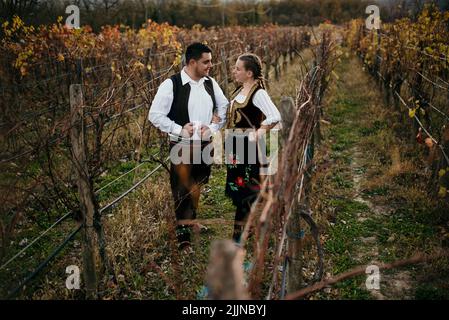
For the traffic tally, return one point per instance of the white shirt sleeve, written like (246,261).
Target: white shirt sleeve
(263,101)
(222,107)
(161,107)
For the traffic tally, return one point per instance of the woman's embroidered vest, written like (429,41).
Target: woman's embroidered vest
(245,114)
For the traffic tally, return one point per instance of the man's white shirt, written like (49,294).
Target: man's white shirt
(200,105)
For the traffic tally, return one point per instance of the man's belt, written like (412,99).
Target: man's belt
(178,139)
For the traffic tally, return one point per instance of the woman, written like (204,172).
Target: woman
(251,108)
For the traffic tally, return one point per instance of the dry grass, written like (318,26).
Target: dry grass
(290,77)
(139,233)
(138,225)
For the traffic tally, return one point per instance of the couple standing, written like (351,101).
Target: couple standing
(191,106)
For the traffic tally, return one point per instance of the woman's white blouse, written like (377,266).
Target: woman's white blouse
(262,100)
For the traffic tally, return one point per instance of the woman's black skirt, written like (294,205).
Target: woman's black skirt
(243,168)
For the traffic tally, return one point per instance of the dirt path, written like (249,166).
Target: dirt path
(368,195)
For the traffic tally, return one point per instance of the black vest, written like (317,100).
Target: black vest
(179,112)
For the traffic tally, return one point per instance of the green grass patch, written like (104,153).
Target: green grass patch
(352,289)
(376,191)
(341,181)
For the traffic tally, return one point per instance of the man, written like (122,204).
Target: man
(187,98)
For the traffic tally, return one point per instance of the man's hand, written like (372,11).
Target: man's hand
(187,130)
(205,132)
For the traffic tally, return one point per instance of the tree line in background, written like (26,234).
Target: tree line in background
(188,13)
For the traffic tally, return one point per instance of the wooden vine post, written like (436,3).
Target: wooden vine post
(224,72)
(267,66)
(225,277)
(88,206)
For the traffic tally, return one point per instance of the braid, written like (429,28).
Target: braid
(261,81)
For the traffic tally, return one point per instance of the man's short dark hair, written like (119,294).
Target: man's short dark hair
(196,50)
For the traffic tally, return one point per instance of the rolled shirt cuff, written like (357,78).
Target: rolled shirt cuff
(176,129)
